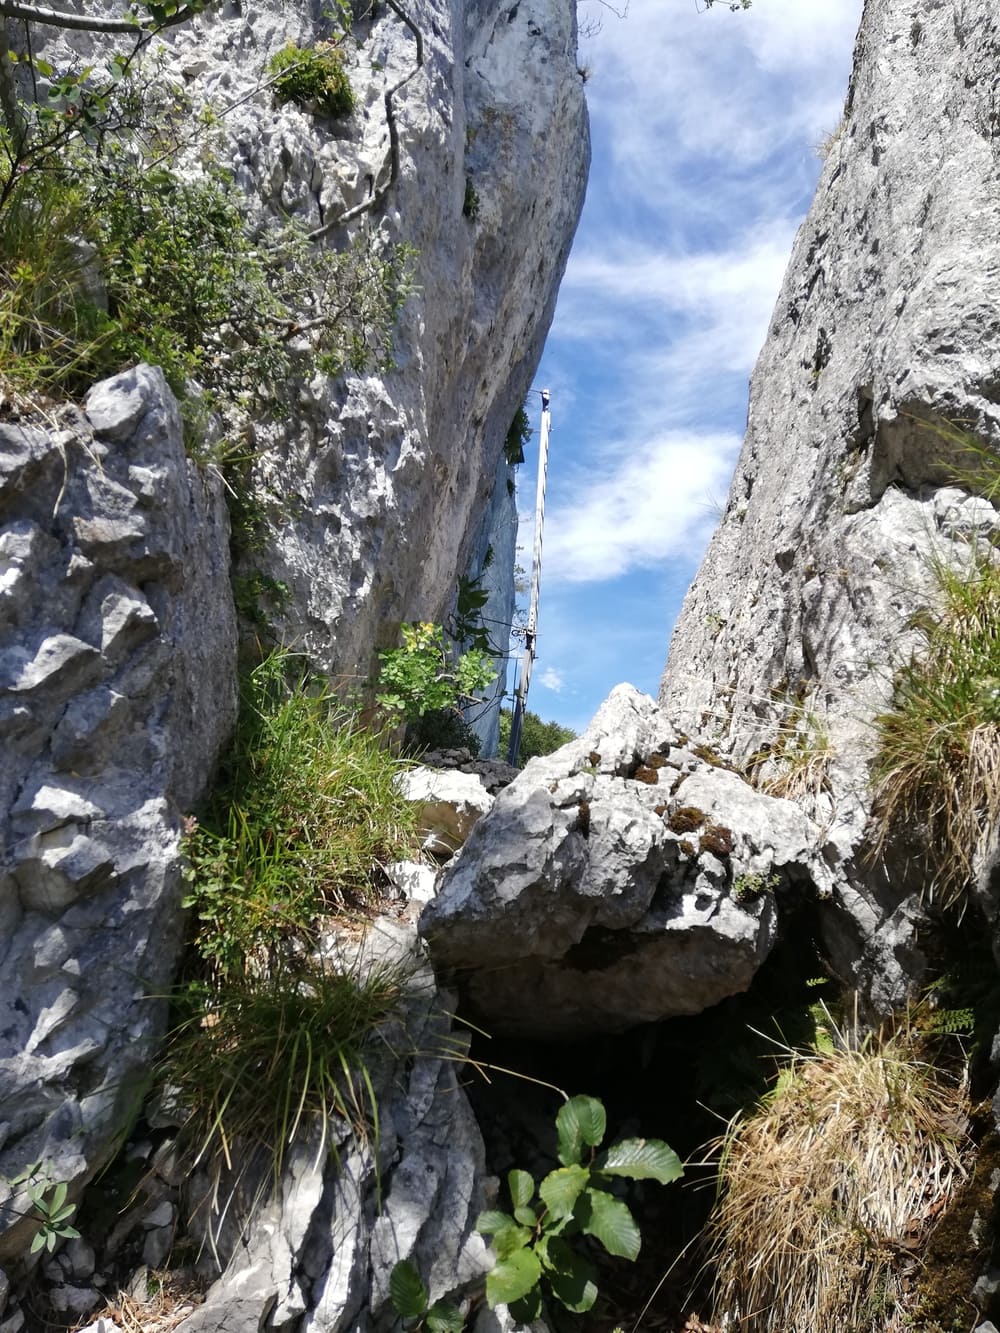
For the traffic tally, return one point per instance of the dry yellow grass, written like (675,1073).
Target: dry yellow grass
(829,1188)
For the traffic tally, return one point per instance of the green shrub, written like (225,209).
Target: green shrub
(306,812)
(312,77)
(470,201)
(518,434)
(441,729)
(937,768)
(537,737)
(425,675)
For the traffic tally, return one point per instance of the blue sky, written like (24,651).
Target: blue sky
(705,127)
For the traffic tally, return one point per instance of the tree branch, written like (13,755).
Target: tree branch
(15,9)
(380,193)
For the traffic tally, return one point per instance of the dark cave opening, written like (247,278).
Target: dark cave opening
(681,1080)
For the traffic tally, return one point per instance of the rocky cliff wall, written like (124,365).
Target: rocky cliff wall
(885,330)
(377,490)
(117,665)
(117,672)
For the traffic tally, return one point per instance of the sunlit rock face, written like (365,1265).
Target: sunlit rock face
(885,330)
(623,879)
(377,490)
(380,489)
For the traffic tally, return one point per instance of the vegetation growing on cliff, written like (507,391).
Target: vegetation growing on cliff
(938,763)
(537,737)
(270,1034)
(833,1180)
(109,256)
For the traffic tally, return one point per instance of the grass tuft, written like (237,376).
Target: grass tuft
(306,813)
(272,1035)
(830,1186)
(938,762)
(258,1060)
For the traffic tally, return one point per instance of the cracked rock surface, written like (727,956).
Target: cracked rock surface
(849,486)
(621,880)
(117,669)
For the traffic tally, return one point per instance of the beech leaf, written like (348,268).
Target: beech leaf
(641,1159)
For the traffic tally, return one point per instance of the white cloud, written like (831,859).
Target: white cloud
(653,505)
(552,679)
(695,82)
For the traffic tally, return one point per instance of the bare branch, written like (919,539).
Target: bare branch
(15,9)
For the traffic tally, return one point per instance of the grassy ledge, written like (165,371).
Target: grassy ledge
(270,1034)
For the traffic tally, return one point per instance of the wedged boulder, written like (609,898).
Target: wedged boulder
(448,802)
(622,880)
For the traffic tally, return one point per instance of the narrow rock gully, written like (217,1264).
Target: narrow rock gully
(681,1080)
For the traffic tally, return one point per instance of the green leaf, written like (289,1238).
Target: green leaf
(641,1159)
(69,1233)
(37,1243)
(560,1189)
(608,1220)
(571,1277)
(512,1278)
(491,1221)
(580,1121)
(510,1240)
(407,1291)
(444,1318)
(526,1216)
(58,1197)
(528,1308)
(522,1187)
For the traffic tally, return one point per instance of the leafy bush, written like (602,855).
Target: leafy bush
(186,285)
(312,77)
(518,434)
(425,675)
(938,763)
(848,1161)
(306,811)
(533,1243)
(537,737)
(441,729)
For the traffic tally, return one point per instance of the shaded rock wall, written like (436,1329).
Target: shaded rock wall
(886,326)
(117,669)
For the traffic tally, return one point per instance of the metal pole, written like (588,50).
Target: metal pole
(517,721)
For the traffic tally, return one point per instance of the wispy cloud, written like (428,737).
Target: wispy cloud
(704,126)
(654,504)
(552,680)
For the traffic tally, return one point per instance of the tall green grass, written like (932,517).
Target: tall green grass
(306,813)
(938,764)
(271,1035)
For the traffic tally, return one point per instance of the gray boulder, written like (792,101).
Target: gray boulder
(621,880)
(448,804)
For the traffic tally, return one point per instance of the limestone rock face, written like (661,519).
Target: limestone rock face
(318,1254)
(117,661)
(380,489)
(885,330)
(621,880)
